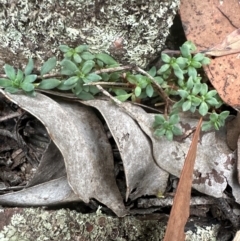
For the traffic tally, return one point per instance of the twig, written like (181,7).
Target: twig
(159,88)
(116,101)
(168,201)
(114,69)
(108,83)
(10,116)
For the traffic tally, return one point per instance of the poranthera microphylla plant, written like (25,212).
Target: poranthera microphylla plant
(177,83)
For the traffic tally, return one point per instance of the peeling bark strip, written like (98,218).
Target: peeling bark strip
(30,29)
(38,224)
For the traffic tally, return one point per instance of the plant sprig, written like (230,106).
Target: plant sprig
(177,82)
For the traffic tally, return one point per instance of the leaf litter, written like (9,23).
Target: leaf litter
(147,161)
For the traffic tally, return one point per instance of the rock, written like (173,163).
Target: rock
(37,224)
(133,31)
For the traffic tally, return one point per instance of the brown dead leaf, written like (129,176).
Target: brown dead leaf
(210,23)
(230,45)
(180,209)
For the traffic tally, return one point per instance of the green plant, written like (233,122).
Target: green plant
(194,95)
(168,127)
(177,83)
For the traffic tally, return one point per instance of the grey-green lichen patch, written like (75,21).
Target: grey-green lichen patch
(42,225)
(132,30)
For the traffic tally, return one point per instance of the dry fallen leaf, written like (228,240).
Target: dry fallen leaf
(230,45)
(143,176)
(53,192)
(82,141)
(181,203)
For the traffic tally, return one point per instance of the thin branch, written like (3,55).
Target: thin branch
(114,69)
(10,116)
(108,83)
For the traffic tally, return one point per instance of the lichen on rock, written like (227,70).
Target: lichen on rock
(133,31)
(38,224)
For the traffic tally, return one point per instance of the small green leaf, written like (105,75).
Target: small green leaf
(158,79)
(26,86)
(120,92)
(179,73)
(93,90)
(176,131)
(68,67)
(196,64)
(183,93)
(30,78)
(211,93)
(105,76)
(185,51)
(198,57)
(11,90)
(163,68)
(31,93)
(62,86)
(87,56)
(196,101)
(86,88)
(212,102)
(204,89)
(19,76)
(181,62)
(190,83)
(5,82)
(223,115)
(137,91)
(206,126)
(213,117)
(71,81)
(131,79)
(10,72)
(87,66)
(48,84)
(152,71)
(69,54)
(100,63)
(107,59)
(48,66)
(64,48)
(186,105)
(192,72)
(203,109)
(85,96)
(159,120)
(169,135)
(149,90)
(174,119)
(81,48)
(78,88)
(114,76)
(205,61)
(123,97)
(165,58)
(93,77)
(196,89)
(77,58)
(159,132)
(29,68)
